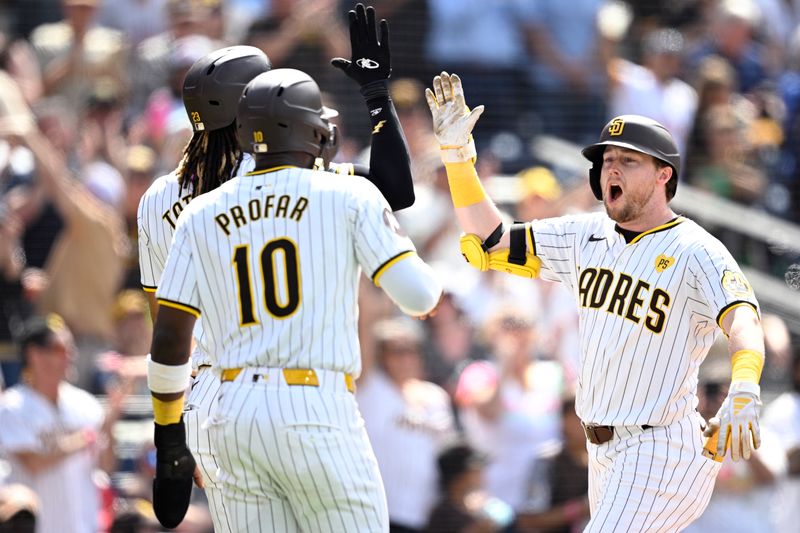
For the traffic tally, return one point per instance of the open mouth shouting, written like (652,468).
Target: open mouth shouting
(614,193)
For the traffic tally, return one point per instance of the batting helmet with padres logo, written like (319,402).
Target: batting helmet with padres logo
(214,83)
(281,111)
(638,133)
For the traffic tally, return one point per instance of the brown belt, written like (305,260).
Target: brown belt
(601,434)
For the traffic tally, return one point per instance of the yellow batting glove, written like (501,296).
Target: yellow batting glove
(452,119)
(738,420)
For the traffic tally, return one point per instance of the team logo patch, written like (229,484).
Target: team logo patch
(367,63)
(663,262)
(736,284)
(616,127)
(392,223)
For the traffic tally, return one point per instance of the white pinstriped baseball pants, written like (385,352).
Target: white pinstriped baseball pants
(199,403)
(653,480)
(296,458)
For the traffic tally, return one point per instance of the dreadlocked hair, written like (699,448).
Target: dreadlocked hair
(210,158)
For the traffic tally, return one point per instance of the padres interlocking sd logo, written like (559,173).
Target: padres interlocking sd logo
(616,127)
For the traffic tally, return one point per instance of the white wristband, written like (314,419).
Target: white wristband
(167,379)
(459,154)
(745,386)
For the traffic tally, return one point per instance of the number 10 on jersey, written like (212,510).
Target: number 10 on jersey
(278,256)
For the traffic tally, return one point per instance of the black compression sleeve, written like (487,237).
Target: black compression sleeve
(389,161)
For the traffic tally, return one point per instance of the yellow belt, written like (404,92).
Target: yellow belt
(199,368)
(293,376)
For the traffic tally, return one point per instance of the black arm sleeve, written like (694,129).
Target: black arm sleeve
(389,161)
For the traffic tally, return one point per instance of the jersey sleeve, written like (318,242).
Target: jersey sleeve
(554,243)
(720,282)
(178,287)
(379,240)
(150,263)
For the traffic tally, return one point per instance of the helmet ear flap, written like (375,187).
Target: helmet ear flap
(594,179)
(331,145)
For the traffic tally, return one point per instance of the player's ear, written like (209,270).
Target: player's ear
(664,174)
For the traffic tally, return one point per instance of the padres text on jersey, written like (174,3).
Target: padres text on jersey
(649,311)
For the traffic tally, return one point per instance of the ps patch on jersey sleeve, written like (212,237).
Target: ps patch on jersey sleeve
(736,284)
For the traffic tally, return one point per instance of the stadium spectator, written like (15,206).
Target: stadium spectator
(408,420)
(782,416)
(731,36)
(76,53)
(150,65)
(18,60)
(725,170)
(136,19)
(461,501)
(86,264)
(558,500)
(125,366)
(789,90)
(54,434)
(451,342)
(568,70)
(307,36)
(779,19)
(654,88)
(19,508)
(484,43)
(744,489)
(509,406)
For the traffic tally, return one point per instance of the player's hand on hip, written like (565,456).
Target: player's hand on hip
(370,60)
(175,471)
(452,119)
(737,420)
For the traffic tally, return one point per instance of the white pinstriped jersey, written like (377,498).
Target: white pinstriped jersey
(272,260)
(649,311)
(156,217)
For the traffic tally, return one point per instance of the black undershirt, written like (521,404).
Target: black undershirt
(629,235)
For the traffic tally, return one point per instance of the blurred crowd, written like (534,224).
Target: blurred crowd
(470,412)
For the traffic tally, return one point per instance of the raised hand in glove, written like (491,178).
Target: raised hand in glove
(737,421)
(370,55)
(175,470)
(452,119)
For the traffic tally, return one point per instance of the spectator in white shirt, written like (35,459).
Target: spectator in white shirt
(653,88)
(55,435)
(408,421)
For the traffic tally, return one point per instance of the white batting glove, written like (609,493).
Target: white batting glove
(737,420)
(452,119)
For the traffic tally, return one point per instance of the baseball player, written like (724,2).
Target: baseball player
(272,261)
(210,157)
(653,289)
(211,91)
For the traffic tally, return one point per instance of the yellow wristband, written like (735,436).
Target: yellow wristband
(465,186)
(167,412)
(747,366)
